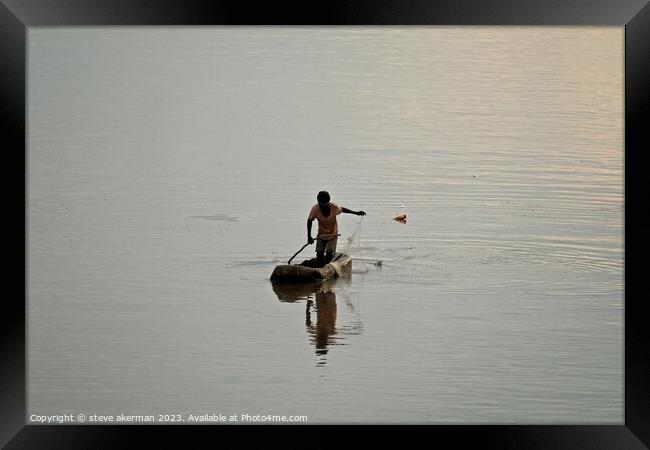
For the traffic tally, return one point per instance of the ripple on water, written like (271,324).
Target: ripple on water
(219,217)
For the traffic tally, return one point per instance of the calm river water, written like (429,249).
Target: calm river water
(171,169)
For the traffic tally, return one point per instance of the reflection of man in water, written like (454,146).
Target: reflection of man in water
(324,332)
(325,321)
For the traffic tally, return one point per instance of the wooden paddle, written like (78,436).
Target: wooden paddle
(294,255)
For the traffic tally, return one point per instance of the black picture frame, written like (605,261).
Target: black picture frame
(16,16)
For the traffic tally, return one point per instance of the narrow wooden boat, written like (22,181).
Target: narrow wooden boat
(307,271)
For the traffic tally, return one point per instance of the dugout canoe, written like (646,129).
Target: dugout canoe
(306,271)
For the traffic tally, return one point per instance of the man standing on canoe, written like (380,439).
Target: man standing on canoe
(325,212)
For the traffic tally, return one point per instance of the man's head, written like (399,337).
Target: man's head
(323,197)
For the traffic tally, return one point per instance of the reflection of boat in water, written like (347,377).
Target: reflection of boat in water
(321,303)
(308,271)
(292,292)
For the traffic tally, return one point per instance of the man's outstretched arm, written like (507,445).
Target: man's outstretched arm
(349,211)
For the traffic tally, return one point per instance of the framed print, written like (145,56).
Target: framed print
(481,270)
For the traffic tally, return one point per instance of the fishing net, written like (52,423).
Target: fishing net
(353,246)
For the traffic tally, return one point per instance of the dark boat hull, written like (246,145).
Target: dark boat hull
(340,266)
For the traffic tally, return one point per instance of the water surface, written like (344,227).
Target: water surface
(170,170)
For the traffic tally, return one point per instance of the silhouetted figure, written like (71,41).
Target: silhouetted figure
(326,238)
